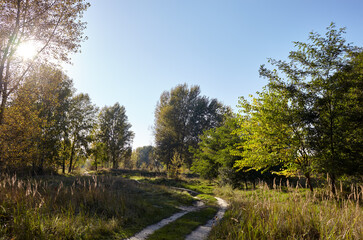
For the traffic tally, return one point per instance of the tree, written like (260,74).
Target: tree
(115,133)
(337,136)
(274,135)
(98,150)
(182,115)
(40,103)
(55,93)
(20,131)
(54,26)
(143,156)
(82,115)
(301,116)
(214,149)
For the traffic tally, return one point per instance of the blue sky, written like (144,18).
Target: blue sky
(139,48)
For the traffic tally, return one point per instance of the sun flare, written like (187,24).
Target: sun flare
(27,50)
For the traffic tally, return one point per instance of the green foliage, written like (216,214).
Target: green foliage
(37,115)
(99,153)
(181,115)
(81,118)
(214,149)
(273,135)
(175,166)
(144,158)
(303,119)
(114,131)
(45,126)
(55,26)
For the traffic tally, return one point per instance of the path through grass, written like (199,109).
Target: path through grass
(99,207)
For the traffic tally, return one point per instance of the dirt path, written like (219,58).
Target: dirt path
(152,228)
(200,233)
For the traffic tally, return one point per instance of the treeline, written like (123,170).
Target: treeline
(47,126)
(306,122)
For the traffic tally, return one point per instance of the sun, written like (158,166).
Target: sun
(27,50)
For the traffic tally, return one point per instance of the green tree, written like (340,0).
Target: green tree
(40,103)
(182,115)
(274,135)
(175,167)
(53,25)
(337,136)
(98,150)
(214,150)
(115,133)
(20,131)
(82,115)
(300,117)
(143,156)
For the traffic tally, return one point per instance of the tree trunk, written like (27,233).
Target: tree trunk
(64,165)
(332,184)
(3,104)
(114,162)
(307,175)
(64,158)
(71,158)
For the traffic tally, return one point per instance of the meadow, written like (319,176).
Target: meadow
(118,204)
(290,213)
(82,207)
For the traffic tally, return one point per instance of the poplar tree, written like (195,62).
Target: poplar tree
(181,116)
(115,133)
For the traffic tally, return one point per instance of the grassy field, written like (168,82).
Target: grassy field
(116,206)
(289,213)
(100,207)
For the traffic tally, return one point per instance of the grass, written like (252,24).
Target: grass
(100,207)
(194,184)
(183,226)
(289,214)
(113,207)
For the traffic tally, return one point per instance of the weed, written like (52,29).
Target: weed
(61,207)
(291,213)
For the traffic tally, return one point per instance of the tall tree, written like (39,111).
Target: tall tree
(82,117)
(337,136)
(143,156)
(98,150)
(182,115)
(310,98)
(54,26)
(115,133)
(214,149)
(274,135)
(45,94)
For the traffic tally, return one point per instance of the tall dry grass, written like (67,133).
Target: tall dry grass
(103,207)
(291,213)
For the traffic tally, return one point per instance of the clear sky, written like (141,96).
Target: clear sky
(139,48)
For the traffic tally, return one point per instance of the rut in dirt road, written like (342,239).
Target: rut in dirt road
(199,234)
(152,228)
(202,231)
